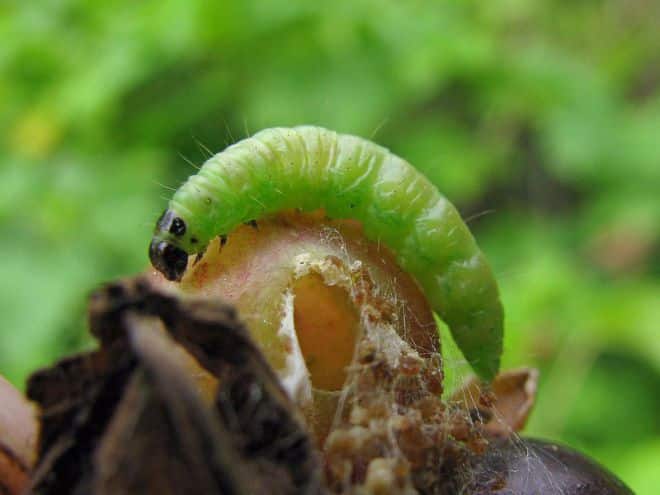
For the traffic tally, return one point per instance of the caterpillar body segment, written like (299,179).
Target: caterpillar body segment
(310,168)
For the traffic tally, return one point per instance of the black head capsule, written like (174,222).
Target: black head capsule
(168,259)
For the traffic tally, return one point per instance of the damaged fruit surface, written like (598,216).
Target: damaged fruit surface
(354,342)
(312,291)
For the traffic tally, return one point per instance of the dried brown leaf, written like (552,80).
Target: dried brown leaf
(505,405)
(177,400)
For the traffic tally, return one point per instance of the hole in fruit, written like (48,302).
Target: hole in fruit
(327,325)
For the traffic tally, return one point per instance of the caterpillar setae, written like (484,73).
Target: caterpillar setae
(310,168)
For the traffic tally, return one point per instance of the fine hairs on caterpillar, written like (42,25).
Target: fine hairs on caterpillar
(350,177)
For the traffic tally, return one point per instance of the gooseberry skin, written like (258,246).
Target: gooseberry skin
(310,168)
(525,466)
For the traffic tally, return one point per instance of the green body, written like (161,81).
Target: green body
(310,168)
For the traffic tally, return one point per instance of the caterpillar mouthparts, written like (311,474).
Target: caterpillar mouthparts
(168,259)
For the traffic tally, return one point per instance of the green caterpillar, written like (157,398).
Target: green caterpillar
(311,167)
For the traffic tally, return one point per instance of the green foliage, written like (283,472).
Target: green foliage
(540,119)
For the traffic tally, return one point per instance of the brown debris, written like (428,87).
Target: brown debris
(391,414)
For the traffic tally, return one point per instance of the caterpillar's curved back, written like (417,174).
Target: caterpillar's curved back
(311,167)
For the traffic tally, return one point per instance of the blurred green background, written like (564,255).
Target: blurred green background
(539,119)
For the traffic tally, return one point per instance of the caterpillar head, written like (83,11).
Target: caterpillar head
(165,252)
